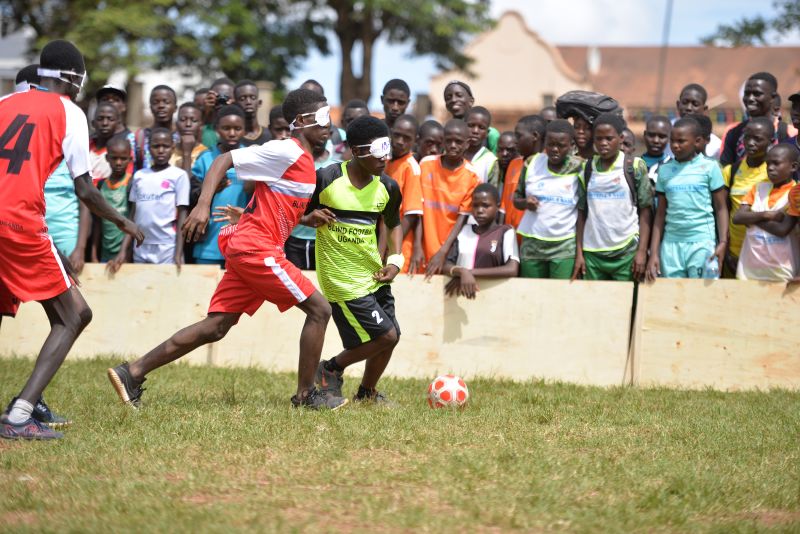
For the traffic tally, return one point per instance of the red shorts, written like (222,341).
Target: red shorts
(253,277)
(29,271)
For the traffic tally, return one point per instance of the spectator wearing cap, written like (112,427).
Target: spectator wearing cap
(458,100)
(118,98)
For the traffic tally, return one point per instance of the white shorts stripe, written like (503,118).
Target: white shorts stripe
(285,279)
(60,264)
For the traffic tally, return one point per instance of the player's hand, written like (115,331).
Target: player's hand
(468,286)
(639,265)
(451,289)
(229,214)
(386,274)
(579,271)
(416,262)
(435,265)
(195,224)
(222,185)
(130,228)
(653,268)
(721,253)
(210,101)
(531,203)
(76,259)
(318,218)
(115,263)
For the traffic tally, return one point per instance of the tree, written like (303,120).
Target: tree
(756,30)
(433,27)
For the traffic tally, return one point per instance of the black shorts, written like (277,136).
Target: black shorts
(363,319)
(301,252)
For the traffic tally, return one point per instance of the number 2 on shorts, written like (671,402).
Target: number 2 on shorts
(377,317)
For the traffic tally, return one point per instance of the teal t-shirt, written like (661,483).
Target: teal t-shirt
(688,186)
(209,135)
(208,247)
(306,232)
(62,209)
(116,194)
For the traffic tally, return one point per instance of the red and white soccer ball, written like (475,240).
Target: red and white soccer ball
(447,391)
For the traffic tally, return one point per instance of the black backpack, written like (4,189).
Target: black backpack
(627,170)
(586,105)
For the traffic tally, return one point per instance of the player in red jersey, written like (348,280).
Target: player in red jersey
(39,128)
(257,268)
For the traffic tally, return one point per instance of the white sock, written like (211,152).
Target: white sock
(20,412)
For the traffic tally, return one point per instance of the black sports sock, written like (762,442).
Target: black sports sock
(332,366)
(365,393)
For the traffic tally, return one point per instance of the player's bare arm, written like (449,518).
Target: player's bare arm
(97,204)
(395,240)
(197,221)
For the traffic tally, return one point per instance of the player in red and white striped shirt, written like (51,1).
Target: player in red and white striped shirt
(39,128)
(257,268)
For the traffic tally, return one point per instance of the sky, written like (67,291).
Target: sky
(591,22)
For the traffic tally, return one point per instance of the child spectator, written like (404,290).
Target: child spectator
(220,94)
(107,242)
(759,92)
(584,143)
(506,151)
(230,130)
(404,169)
(163,103)
(740,178)
(548,114)
(159,197)
(105,124)
(278,126)
(246,95)
(529,134)
(691,200)
(341,152)
(199,99)
(479,120)
(692,101)
(69,222)
(628,142)
(395,98)
(447,185)
(656,141)
(485,249)
(117,97)
(794,116)
(548,197)
(706,131)
(613,227)
(189,147)
(458,100)
(771,251)
(430,140)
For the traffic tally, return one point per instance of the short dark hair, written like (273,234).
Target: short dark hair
(489,189)
(300,101)
(659,118)
(29,74)
(398,84)
(533,124)
(426,127)
(108,105)
(767,77)
(462,84)
(315,83)
(189,105)
(62,55)
(222,81)
(689,122)
(610,119)
(244,83)
(456,124)
(227,110)
(365,129)
(163,87)
(697,88)
(202,90)
(560,126)
(356,103)
(763,122)
(161,130)
(120,139)
(275,113)
(705,124)
(794,152)
(507,133)
(411,119)
(480,110)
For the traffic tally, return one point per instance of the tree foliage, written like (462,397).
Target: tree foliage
(758,30)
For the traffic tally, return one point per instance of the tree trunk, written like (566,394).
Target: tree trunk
(349,30)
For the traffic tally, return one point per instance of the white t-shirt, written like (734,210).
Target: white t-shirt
(493,248)
(557,215)
(157,195)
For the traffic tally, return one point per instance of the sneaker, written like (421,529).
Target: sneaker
(315,400)
(43,414)
(328,382)
(128,389)
(376,397)
(29,429)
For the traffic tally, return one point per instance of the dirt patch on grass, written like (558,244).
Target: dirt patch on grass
(773,518)
(18,519)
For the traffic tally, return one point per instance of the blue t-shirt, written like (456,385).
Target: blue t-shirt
(652,160)
(688,186)
(62,209)
(208,248)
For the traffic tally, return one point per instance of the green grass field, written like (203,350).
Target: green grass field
(216,450)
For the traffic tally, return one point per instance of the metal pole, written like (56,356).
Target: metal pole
(662,60)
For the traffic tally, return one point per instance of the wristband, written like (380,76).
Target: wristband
(397,260)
